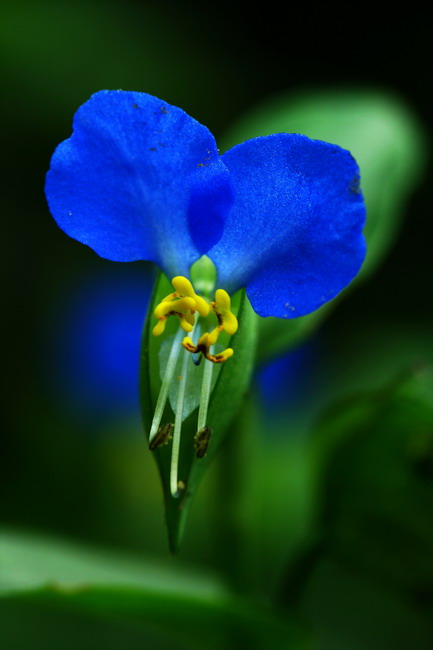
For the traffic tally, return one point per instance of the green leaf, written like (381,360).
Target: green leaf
(377,483)
(373,460)
(185,609)
(369,558)
(390,147)
(231,384)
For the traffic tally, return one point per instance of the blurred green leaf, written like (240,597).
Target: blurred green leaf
(374,486)
(226,398)
(368,559)
(184,606)
(390,147)
(33,561)
(378,485)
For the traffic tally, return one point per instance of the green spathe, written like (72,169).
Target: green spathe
(227,391)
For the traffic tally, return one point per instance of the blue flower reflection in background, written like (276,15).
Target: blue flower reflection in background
(280,216)
(97,345)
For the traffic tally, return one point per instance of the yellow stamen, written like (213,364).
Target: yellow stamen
(183,303)
(184,288)
(227,321)
(184,322)
(203,345)
(222,356)
(159,327)
(183,308)
(188,344)
(166,308)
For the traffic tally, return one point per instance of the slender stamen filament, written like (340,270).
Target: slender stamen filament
(174,482)
(165,386)
(205,395)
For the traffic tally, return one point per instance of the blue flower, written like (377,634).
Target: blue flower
(280,215)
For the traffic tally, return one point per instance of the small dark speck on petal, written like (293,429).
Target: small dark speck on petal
(355,185)
(152,148)
(163,110)
(134,105)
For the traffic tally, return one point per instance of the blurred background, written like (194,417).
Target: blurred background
(323,537)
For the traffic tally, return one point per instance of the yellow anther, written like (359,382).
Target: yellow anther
(223,309)
(183,303)
(183,308)
(171,296)
(204,343)
(203,346)
(184,322)
(213,336)
(222,356)
(167,308)
(159,327)
(227,321)
(201,305)
(188,344)
(184,288)
(190,317)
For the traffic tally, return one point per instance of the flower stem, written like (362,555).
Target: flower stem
(168,376)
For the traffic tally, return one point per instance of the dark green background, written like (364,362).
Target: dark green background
(92,480)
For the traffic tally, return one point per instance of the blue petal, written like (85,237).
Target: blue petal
(128,181)
(293,237)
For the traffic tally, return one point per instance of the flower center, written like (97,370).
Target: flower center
(184,303)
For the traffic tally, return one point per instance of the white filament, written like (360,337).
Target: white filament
(168,376)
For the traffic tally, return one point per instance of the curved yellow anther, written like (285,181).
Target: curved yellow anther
(183,308)
(183,303)
(227,321)
(184,322)
(203,346)
(222,356)
(188,344)
(167,307)
(159,327)
(223,308)
(184,288)
(201,305)
(171,296)
(190,317)
(213,336)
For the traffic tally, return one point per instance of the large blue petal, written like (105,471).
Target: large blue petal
(293,237)
(132,178)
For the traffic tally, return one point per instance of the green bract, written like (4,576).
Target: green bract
(228,391)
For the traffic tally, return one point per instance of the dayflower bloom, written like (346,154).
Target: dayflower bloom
(280,216)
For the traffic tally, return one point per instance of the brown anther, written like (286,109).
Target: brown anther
(201,441)
(162,437)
